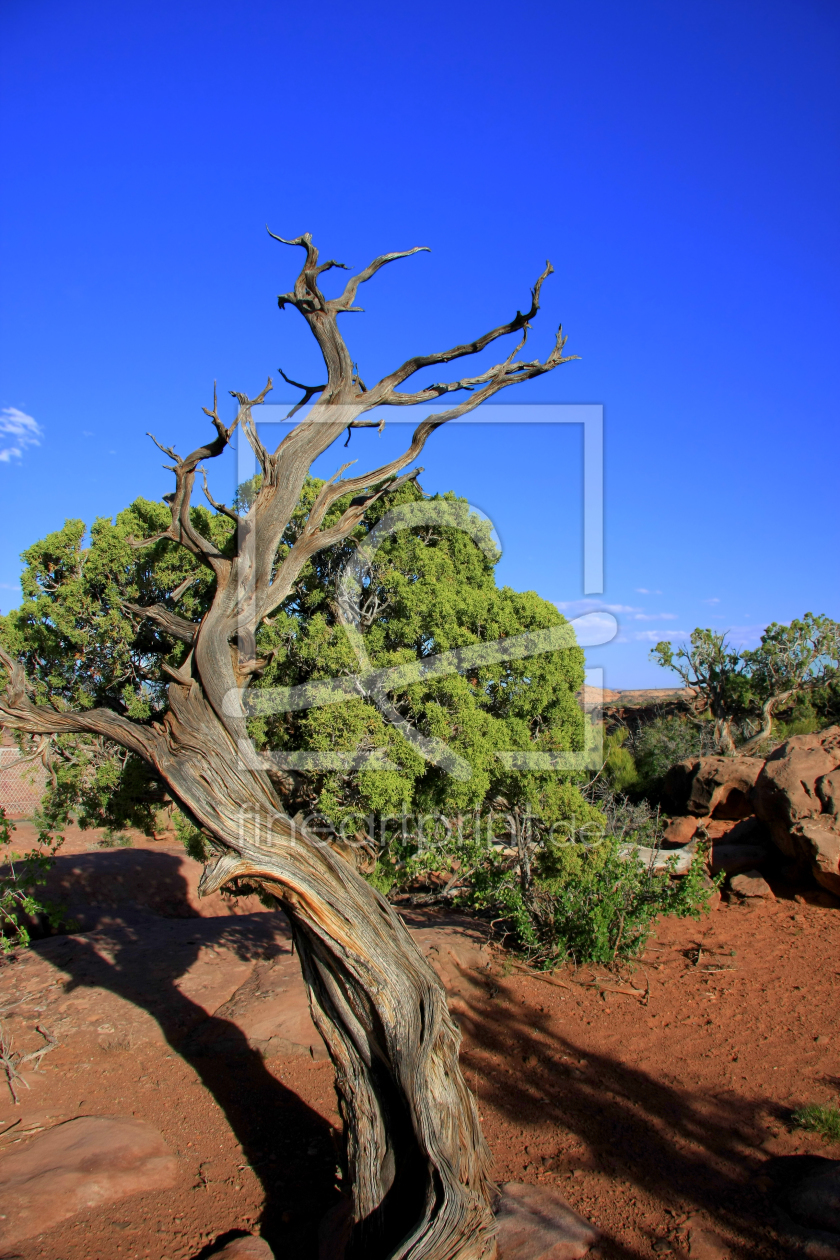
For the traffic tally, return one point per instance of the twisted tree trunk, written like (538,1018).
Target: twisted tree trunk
(416,1158)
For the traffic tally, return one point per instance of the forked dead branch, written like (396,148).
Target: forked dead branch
(416,1160)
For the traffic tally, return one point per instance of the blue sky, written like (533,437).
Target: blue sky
(677,163)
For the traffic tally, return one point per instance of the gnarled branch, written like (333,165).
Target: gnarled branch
(173,625)
(19,713)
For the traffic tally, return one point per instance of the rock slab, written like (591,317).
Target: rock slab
(248,1247)
(76,1166)
(536,1223)
(796,796)
(751,884)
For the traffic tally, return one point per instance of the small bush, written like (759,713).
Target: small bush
(382,876)
(114,840)
(609,910)
(21,876)
(822,1118)
(660,744)
(191,837)
(801,719)
(619,765)
(578,892)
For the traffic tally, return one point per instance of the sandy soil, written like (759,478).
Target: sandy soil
(654,1112)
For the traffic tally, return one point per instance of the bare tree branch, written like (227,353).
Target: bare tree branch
(19,713)
(219,507)
(173,625)
(182,530)
(306,295)
(344,304)
(314,539)
(273,504)
(383,392)
(309,392)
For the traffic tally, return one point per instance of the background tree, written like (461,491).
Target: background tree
(716,678)
(751,686)
(417,1162)
(802,657)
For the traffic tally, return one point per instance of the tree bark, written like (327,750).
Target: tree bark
(416,1160)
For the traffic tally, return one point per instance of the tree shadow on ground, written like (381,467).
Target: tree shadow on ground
(692,1152)
(287,1143)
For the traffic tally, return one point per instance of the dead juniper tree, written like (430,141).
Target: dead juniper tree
(416,1159)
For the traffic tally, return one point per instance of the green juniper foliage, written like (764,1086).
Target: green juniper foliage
(620,768)
(431,589)
(523,846)
(82,647)
(660,744)
(573,889)
(21,877)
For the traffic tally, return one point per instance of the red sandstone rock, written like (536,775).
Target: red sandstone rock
(714,786)
(271,1008)
(816,1200)
(786,790)
(752,884)
(536,1223)
(820,839)
(680,830)
(248,1248)
(334,1231)
(734,858)
(796,795)
(77,1166)
(705,1243)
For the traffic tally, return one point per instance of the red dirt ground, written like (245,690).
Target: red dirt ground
(654,1114)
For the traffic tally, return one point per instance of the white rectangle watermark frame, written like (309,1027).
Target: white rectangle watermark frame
(587,631)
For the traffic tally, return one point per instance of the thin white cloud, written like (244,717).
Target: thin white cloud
(745,636)
(577,607)
(595,628)
(601,626)
(643,590)
(17,431)
(715,600)
(656,636)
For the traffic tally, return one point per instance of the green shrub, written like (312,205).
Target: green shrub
(609,910)
(619,764)
(21,876)
(191,837)
(660,744)
(801,719)
(573,890)
(383,876)
(822,1118)
(114,840)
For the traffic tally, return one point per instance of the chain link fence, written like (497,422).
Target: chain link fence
(21,784)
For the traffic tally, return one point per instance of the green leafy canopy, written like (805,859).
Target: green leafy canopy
(430,589)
